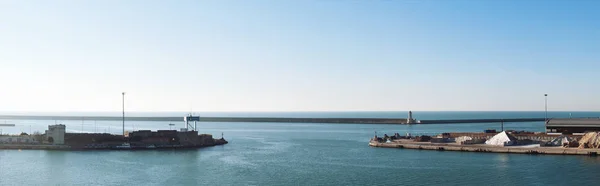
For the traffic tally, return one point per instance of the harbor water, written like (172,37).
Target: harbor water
(296,154)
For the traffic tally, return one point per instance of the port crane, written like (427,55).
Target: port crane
(188,125)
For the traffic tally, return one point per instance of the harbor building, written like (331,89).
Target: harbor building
(55,134)
(572,125)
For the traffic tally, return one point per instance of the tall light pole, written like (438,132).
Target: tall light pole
(123,114)
(546,108)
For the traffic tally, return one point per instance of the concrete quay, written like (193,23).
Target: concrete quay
(480,120)
(34,147)
(409,144)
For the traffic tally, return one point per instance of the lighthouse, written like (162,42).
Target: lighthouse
(410,119)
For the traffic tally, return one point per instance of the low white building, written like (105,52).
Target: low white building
(18,139)
(55,134)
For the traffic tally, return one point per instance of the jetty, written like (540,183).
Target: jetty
(509,120)
(520,142)
(276,119)
(56,138)
(409,144)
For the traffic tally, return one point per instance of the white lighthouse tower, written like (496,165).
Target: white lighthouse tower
(410,119)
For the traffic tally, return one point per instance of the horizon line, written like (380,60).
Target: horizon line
(119,111)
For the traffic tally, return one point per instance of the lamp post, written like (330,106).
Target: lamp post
(546,108)
(123,113)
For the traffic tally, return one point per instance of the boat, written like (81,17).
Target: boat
(152,146)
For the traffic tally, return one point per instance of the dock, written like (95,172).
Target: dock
(409,144)
(34,147)
(56,138)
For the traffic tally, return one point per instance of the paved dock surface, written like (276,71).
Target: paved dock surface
(409,144)
(34,146)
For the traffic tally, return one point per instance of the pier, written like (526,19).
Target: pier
(480,120)
(56,138)
(407,144)
(520,142)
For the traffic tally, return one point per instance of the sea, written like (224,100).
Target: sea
(295,154)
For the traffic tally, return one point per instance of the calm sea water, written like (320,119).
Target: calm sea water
(297,154)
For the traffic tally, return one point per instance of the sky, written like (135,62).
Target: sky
(327,55)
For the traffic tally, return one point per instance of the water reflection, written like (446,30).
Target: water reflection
(502,161)
(590,160)
(54,161)
(191,159)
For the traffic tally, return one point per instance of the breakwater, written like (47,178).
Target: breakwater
(273,119)
(485,148)
(218,119)
(480,120)
(96,118)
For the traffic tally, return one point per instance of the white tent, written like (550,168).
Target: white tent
(502,139)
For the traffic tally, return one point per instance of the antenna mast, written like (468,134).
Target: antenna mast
(123,113)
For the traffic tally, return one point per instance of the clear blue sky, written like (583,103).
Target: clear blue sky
(328,55)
